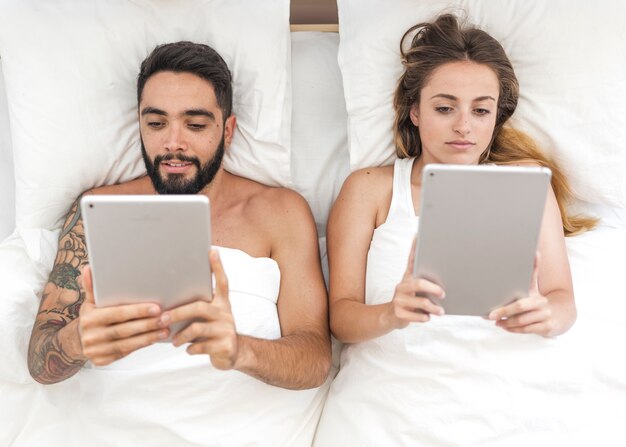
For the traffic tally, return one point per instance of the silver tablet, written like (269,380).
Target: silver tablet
(148,248)
(478,233)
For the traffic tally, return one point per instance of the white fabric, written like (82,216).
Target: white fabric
(462,381)
(159,396)
(388,253)
(319,155)
(7,179)
(70,71)
(569,60)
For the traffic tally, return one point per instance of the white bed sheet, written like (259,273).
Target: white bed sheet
(158,396)
(461,381)
(571,390)
(7,178)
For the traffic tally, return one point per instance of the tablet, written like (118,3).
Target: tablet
(146,248)
(478,233)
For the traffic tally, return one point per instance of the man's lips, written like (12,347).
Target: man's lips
(176,166)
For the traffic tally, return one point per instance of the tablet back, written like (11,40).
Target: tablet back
(148,248)
(478,233)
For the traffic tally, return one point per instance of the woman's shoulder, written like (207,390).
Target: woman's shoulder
(370,179)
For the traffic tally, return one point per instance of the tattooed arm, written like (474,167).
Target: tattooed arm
(55,353)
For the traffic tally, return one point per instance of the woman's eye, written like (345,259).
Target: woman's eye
(482,111)
(443,109)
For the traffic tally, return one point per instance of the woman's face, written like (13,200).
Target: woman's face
(457,111)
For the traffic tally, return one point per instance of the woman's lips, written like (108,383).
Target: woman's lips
(461,145)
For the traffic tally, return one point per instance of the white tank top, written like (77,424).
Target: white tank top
(389,250)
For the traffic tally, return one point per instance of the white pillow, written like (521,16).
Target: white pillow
(319,157)
(570,62)
(70,70)
(7,179)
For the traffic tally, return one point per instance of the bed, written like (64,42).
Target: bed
(312,107)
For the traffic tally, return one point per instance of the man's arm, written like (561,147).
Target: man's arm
(54,352)
(300,359)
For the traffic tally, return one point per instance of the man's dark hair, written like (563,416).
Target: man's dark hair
(195,58)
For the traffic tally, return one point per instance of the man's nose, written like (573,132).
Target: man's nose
(175,139)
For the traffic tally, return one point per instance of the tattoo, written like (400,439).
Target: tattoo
(63,295)
(64,276)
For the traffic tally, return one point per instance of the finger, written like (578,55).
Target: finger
(200,331)
(221,281)
(223,352)
(88,284)
(525,319)
(543,328)
(534,280)
(105,316)
(199,309)
(121,348)
(121,330)
(419,304)
(409,267)
(519,306)
(421,286)
(412,316)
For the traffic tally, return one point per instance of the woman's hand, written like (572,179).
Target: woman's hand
(530,315)
(410,303)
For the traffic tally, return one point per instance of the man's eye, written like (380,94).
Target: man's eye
(197,126)
(155,124)
(443,109)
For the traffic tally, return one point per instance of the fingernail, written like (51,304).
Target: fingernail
(165,318)
(492,316)
(162,335)
(154,310)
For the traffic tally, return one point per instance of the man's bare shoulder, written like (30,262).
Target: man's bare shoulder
(278,201)
(140,186)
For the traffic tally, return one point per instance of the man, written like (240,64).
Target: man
(184,95)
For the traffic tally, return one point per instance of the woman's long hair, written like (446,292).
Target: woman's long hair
(444,41)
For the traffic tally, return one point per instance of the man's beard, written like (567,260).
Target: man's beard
(176,183)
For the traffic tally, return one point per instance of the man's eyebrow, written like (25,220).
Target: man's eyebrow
(154,110)
(200,112)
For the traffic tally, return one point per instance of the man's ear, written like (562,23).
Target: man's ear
(414,116)
(229,129)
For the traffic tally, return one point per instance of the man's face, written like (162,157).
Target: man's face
(183,134)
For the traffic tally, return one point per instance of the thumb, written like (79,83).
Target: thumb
(534,280)
(220,294)
(409,267)
(88,284)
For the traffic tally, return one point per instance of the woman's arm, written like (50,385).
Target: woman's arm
(351,225)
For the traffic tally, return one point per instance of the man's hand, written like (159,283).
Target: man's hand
(213,331)
(529,315)
(110,333)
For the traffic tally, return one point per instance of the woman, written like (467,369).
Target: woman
(452,102)
(457,92)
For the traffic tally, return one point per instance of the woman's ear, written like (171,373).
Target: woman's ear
(413,115)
